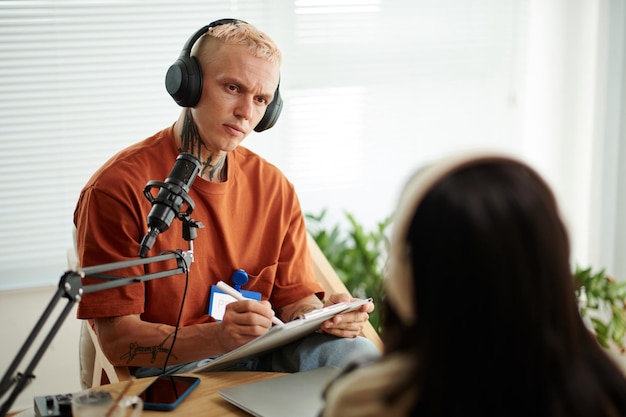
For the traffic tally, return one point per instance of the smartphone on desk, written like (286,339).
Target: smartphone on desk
(166,392)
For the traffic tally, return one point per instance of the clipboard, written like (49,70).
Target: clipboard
(281,335)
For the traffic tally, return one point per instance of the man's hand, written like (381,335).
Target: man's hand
(346,324)
(130,341)
(243,321)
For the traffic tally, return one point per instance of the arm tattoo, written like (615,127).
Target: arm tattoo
(191,143)
(136,349)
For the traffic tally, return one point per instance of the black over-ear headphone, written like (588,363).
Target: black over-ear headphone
(183,80)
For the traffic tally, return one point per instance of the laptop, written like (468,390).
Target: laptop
(298,394)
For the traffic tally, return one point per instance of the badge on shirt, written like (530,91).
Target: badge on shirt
(219,299)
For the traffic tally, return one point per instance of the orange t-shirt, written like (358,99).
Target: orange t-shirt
(253,221)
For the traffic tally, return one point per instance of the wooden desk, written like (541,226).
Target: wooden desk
(202,401)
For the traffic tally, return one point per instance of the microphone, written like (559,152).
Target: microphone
(169,200)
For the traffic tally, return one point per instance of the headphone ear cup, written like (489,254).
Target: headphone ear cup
(271,113)
(399,285)
(183,81)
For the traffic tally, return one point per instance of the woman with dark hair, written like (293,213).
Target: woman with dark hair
(480,316)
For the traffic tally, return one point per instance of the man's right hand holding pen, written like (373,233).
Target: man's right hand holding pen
(245,319)
(238,296)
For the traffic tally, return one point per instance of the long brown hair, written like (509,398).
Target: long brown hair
(497,330)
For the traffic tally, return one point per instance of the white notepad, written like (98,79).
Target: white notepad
(281,335)
(293,395)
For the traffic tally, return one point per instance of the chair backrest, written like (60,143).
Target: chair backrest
(95,368)
(327,276)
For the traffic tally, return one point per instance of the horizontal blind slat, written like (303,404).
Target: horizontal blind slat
(80,80)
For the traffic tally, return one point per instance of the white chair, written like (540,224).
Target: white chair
(95,368)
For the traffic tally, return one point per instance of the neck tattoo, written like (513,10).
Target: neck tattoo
(213,169)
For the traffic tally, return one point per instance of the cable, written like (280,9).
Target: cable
(182,304)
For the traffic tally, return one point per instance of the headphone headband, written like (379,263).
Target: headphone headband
(399,283)
(183,80)
(186,51)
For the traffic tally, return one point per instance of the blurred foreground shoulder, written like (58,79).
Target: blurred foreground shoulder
(381,388)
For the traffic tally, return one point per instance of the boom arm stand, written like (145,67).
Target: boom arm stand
(71,288)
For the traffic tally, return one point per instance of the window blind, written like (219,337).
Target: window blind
(369,87)
(78,82)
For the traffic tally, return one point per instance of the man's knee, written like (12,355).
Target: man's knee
(328,350)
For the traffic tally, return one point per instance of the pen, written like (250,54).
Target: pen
(237,295)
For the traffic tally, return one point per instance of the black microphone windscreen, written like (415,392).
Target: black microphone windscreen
(170,198)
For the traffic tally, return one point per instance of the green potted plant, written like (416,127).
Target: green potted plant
(602,305)
(357,255)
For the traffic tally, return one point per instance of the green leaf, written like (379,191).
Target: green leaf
(605,298)
(357,255)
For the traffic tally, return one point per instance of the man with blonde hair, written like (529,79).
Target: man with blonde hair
(226,79)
